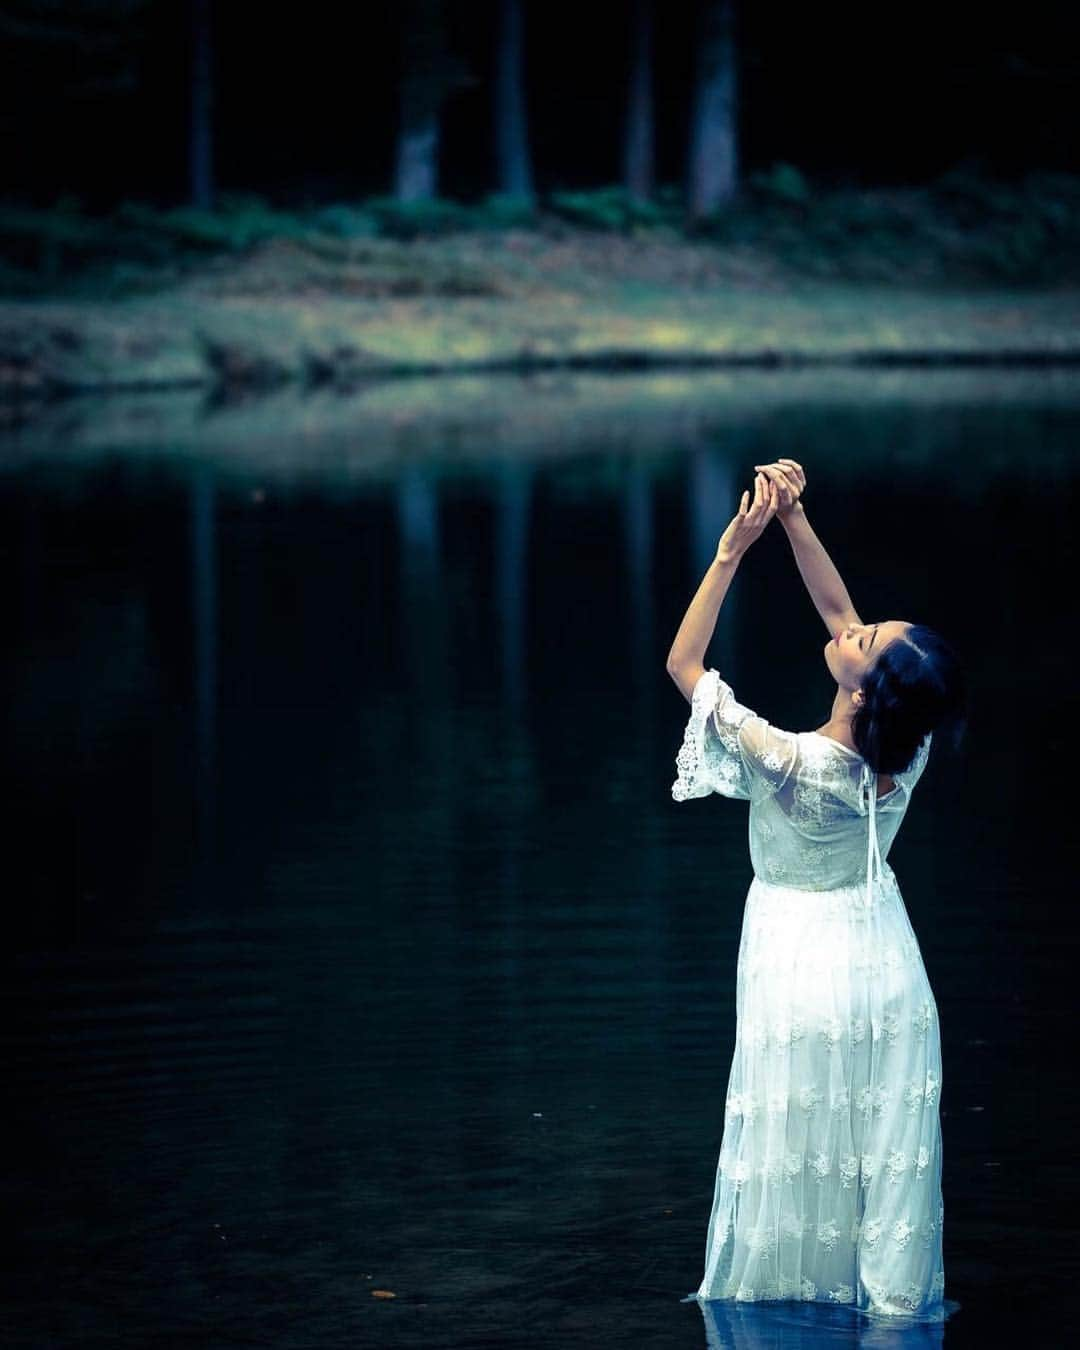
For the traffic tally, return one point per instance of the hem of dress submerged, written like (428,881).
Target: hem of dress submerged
(939,1312)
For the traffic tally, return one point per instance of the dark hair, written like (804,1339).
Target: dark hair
(916,685)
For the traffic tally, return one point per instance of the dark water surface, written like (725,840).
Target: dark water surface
(355,942)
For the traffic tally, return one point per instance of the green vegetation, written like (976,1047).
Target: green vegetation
(252,294)
(962,228)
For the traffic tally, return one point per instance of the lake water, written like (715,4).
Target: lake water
(355,941)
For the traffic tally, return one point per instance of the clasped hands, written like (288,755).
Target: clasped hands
(777,488)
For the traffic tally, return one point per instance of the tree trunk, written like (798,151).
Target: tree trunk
(423,36)
(639,132)
(513,162)
(200,125)
(713,168)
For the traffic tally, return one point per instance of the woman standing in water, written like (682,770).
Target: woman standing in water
(828,1186)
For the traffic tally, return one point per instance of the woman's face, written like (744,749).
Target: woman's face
(853,651)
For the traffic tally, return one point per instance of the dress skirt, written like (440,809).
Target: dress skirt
(828,1186)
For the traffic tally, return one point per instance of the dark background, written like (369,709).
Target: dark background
(95,96)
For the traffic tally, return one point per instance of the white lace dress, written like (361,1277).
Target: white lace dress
(828,1186)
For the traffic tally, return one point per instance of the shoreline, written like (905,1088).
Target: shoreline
(55,349)
(965,270)
(462,423)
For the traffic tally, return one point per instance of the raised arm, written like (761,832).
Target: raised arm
(823,581)
(686,660)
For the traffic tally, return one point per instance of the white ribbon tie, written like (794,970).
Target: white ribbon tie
(872,851)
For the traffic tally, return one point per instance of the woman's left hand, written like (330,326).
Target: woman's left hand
(751,519)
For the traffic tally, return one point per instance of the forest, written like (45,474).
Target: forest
(458,152)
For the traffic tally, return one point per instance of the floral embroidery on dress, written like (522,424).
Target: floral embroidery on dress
(821,1166)
(911,1297)
(730,776)
(769,1172)
(896,1164)
(913,1094)
(740,1173)
(808,805)
(777,868)
(743,1104)
(761,1240)
(785,1034)
(872,1100)
(728,733)
(832,1032)
(795,1225)
(688,761)
(836,1029)
(901,1233)
(871,1231)
(816,856)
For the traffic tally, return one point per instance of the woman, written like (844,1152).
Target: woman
(828,1186)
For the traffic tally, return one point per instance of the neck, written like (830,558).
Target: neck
(839,723)
(843,710)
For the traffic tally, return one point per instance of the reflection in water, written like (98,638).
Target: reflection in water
(731,1325)
(512,498)
(435,991)
(204,603)
(637,507)
(511,490)
(715,483)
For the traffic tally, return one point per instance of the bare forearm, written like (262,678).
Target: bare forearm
(823,581)
(699,622)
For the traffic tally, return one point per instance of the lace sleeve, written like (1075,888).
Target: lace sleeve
(911,775)
(728,749)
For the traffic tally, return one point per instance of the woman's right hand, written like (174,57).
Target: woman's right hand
(790,483)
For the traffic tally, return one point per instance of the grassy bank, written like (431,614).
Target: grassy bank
(250,295)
